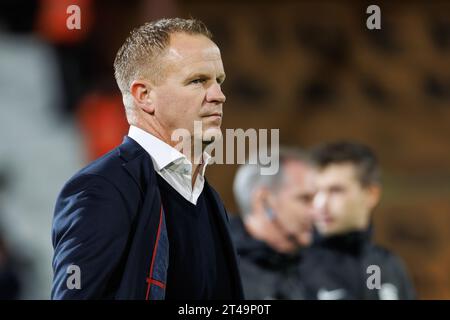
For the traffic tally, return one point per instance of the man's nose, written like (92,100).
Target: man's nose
(319,201)
(319,204)
(215,94)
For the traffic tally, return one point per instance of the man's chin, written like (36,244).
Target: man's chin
(211,135)
(305,239)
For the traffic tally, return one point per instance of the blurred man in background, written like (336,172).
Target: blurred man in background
(275,222)
(344,263)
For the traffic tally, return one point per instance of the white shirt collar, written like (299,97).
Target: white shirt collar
(163,155)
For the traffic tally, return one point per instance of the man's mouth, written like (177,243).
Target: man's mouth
(327,220)
(306,228)
(215,117)
(215,114)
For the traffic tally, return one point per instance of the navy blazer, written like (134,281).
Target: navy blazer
(109,222)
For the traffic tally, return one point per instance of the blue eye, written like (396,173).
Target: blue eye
(195,81)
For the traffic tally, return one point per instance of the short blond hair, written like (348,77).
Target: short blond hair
(137,56)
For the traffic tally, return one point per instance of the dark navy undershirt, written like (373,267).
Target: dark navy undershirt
(197,265)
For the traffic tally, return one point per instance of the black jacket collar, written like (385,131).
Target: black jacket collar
(258,251)
(353,242)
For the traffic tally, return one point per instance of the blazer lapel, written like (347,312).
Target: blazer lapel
(148,255)
(137,163)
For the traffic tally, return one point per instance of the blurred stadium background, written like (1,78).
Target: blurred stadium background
(310,68)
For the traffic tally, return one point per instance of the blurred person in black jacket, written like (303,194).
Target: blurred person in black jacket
(343,262)
(275,222)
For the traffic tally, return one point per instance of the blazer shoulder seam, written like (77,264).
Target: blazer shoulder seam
(108,181)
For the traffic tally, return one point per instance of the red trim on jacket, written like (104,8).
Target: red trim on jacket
(149,280)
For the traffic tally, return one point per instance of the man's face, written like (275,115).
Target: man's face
(341,204)
(190,89)
(293,202)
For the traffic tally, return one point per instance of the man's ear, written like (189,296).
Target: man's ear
(141,91)
(259,199)
(373,195)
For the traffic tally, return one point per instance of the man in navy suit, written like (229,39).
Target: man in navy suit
(142,222)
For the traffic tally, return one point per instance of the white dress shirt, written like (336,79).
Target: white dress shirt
(172,165)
